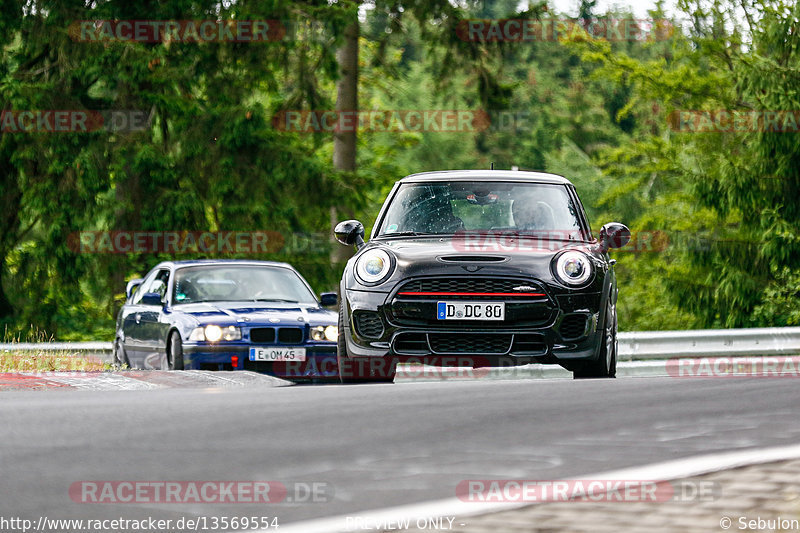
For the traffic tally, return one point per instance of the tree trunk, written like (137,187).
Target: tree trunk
(6,309)
(344,142)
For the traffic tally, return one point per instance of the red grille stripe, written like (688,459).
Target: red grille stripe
(416,293)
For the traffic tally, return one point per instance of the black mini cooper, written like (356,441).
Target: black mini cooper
(479,268)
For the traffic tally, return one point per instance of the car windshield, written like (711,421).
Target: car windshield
(451,207)
(214,283)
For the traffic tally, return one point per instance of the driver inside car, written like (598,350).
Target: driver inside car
(532,215)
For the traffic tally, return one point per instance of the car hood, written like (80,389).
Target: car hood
(257,313)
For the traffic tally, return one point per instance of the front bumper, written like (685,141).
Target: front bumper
(545,338)
(320,360)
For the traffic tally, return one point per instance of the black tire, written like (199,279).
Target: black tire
(360,369)
(120,356)
(175,352)
(606,364)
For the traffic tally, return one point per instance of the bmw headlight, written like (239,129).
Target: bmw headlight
(325,333)
(573,268)
(214,333)
(374,266)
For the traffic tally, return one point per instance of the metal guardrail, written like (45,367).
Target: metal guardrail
(101,350)
(637,345)
(633,345)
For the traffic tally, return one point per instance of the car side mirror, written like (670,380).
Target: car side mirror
(328,299)
(151,298)
(132,286)
(350,232)
(614,235)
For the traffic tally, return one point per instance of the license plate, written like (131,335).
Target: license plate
(277,354)
(470,310)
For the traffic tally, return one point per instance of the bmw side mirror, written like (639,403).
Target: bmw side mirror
(151,298)
(350,232)
(614,235)
(328,299)
(132,286)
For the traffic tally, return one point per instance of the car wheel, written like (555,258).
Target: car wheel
(175,352)
(360,369)
(120,357)
(606,364)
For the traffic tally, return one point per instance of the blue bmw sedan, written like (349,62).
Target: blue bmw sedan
(227,315)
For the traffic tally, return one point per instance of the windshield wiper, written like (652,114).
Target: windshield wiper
(275,300)
(407,234)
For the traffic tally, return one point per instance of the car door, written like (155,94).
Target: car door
(131,323)
(155,323)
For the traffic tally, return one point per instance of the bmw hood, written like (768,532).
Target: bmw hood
(258,313)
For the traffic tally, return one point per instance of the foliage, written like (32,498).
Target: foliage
(212,159)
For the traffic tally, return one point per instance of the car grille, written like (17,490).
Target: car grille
(290,335)
(459,343)
(529,344)
(465,343)
(368,324)
(285,335)
(572,326)
(470,285)
(411,343)
(414,303)
(262,335)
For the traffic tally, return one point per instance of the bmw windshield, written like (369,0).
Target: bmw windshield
(240,283)
(447,208)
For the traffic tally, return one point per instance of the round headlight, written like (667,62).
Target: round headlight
(213,333)
(573,268)
(374,266)
(332,333)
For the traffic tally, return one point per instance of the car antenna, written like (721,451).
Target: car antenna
(492,167)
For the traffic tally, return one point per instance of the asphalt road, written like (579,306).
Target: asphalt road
(374,445)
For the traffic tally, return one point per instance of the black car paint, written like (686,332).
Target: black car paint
(425,257)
